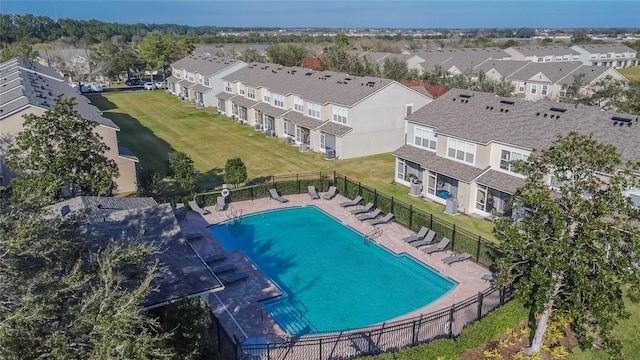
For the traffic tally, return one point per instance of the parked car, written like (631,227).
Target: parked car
(133,82)
(160,85)
(149,86)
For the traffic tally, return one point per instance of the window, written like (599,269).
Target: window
(298,105)
(313,110)
(321,140)
(241,89)
(177,74)
(190,77)
(540,59)
(278,100)
(206,81)
(547,59)
(508,156)
(339,115)
(563,92)
(593,57)
(576,58)
(521,89)
(544,90)
(251,93)
(408,110)
(425,138)
(227,87)
(534,88)
(267,96)
(461,150)
(608,56)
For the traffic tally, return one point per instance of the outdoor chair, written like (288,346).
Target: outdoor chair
(441,246)
(353,202)
(221,203)
(274,195)
(363,209)
(426,241)
(456,258)
(369,216)
(419,236)
(331,193)
(233,278)
(490,277)
(195,207)
(382,220)
(312,192)
(223,268)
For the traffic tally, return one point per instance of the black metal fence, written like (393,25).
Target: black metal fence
(386,337)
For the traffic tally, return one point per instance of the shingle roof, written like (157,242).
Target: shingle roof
(183,272)
(224,96)
(500,181)
(205,64)
(98,207)
(607,48)
(429,160)
(545,50)
(242,101)
(41,89)
(173,79)
(524,123)
(299,119)
(553,70)
(185,83)
(504,67)
(334,128)
(463,59)
(265,108)
(126,153)
(590,74)
(317,86)
(200,88)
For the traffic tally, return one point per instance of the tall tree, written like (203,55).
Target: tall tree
(235,171)
(287,54)
(396,69)
(115,57)
(157,51)
(60,148)
(576,252)
(21,49)
(182,170)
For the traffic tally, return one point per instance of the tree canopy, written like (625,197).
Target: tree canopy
(60,148)
(182,170)
(575,252)
(235,172)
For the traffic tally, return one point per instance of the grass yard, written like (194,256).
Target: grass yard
(153,123)
(632,73)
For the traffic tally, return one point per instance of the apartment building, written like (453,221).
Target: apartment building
(337,114)
(453,61)
(543,54)
(458,147)
(27,87)
(197,78)
(610,55)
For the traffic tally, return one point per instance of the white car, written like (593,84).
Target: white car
(160,85)
(149,86)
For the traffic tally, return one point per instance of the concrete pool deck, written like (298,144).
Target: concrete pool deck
(238,305)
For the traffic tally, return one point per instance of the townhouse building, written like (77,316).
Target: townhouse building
(27,87)
(337,114)
(536,81)
(459,147)
(542,54)
(610,55)
(197,78)
(453,61)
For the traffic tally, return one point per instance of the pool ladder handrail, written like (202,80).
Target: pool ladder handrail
(233,214)
(374,234)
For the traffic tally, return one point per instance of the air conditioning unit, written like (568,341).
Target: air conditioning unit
(270,133)
(330,154)
(258,126)
(244,122)
(289,140)
(304,147)
(233,117)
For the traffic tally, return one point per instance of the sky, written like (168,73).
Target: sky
(344,14)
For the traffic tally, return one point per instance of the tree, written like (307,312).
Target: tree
(287,54)
(21,49)
(573,90)
(64,297)
(115,57)
(157,51)
(396,69)
(575,253)
(188,321)
(184,48)
(235,171)
(182,170)
(342,40)
(60,148)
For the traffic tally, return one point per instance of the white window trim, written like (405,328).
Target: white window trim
(277,98)
(322,140)
(228,87)
(314,110)
(267,96)
(545,90)
(512,155)
(534,89)
(425,134)
(241,89)
(339,115)
(463,147)
(251,91)
(298,104)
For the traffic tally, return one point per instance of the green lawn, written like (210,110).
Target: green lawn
(153,124)
(632,73)
(627,332)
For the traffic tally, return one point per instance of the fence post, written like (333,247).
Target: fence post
(359,188)
(414,339)
(478,250)
(431,221)
(392,204)
(410,216)
(480,298)
(334,178)
(251,193)
(453,237)
(320,349)
(375,197)
(273,181)
(450,334)
(501,297)
(346,187)
(298,182)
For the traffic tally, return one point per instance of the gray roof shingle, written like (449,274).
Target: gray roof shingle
(205,64)
(545,50)
(224,96)
(553,70)
(265,108)
(200,88)
(429,160)
(242,101)
(333,128)
(304,121)
(500,181)
(607,48)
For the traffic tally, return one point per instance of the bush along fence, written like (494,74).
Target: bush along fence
(483,251)
(386,337)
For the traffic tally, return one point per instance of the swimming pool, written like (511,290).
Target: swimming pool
(331,277)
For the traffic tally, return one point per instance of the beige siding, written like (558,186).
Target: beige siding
(483,156)
(126,182)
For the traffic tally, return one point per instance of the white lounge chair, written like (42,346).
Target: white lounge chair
(441,246)
(455,258)
(353,202)
(312,192)
(331,193)
(368,216)
(195,207)
(221,203)
(274,195)
(362,210)
(383,220)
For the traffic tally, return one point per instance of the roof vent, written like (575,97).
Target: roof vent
(545,115)
(507,102)
(309,73)
(466,96)
(537,114)
(557,109)
(65,210)
(454,100)
(501,110)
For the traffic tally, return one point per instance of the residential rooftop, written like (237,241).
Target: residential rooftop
(545,50)
(204,63)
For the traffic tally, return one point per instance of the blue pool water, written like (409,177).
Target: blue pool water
(333,279)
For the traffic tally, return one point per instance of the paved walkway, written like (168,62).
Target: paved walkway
(238,305)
